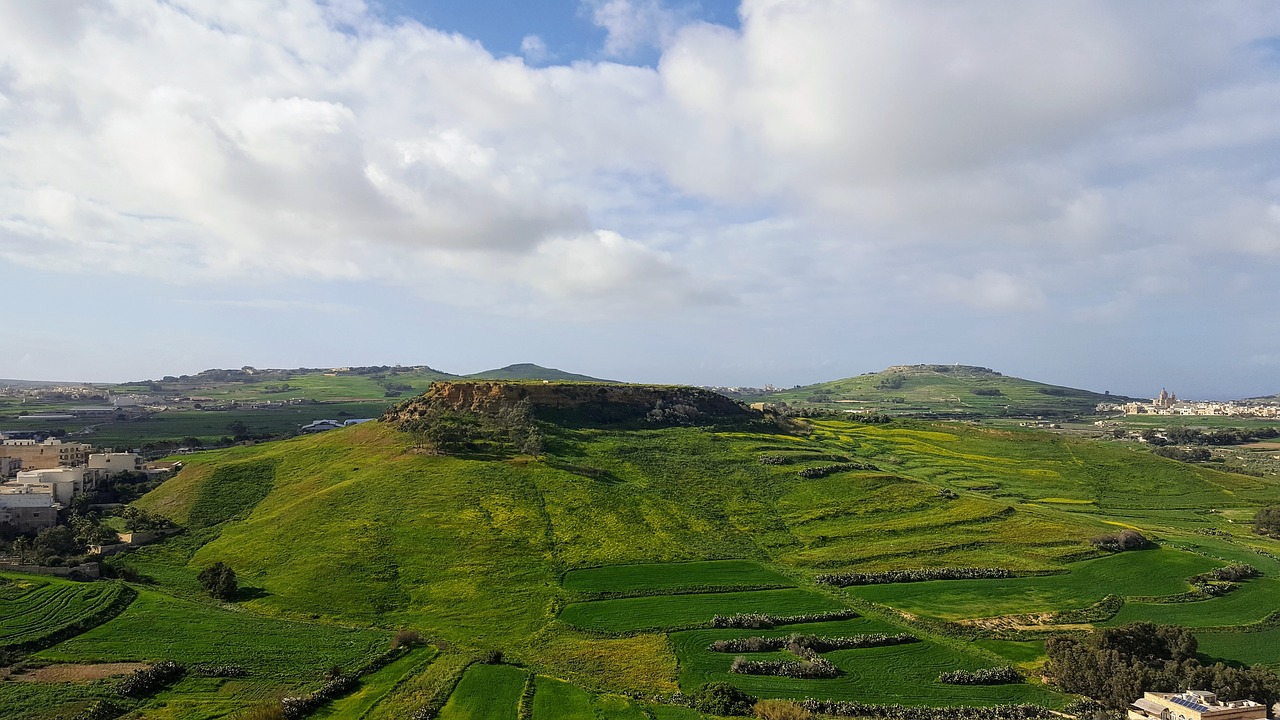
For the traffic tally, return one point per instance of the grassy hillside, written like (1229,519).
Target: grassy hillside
(602,561)
(960,391)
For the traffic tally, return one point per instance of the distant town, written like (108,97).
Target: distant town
(1167,403)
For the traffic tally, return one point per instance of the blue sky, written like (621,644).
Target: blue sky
(777,191)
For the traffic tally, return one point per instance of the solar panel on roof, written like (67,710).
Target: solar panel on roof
(1189,703)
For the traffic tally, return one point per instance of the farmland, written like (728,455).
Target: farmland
(35,610)
(596,567)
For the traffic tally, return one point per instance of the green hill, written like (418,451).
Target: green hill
(944,391)
(529,371)
(603,560)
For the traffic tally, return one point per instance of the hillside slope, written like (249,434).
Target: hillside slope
(358,526)
(959,391)
(529,371)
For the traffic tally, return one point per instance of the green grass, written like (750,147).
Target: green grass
(1247,648)
(376,686)
(677,611)
(231,491)
(558,700)
(904,674)
(486,692)
(49,701)
(158,627)
(1254,600)
(1141,572)
(35,608)
(672,576)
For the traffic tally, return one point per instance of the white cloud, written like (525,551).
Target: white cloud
(824,149)
(534,49)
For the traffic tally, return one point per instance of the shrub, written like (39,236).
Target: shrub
(923,574)
(780,710)
(988,676)
(406,638)
(1121,541)
(225,671)
(491,657)
(148,680)
(101,710)
(812,642)
(721,698)
(1267,521)
(822,471)
(219,580)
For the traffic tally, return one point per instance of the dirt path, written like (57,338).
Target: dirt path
(72,673)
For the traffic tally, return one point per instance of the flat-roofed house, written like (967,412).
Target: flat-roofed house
(1194,705)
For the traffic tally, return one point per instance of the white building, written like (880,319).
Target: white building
(108,464)
(30,508)
(66,482)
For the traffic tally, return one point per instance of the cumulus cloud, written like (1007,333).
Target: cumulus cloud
(851,143)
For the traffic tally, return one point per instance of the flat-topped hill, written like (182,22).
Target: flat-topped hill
(596,402)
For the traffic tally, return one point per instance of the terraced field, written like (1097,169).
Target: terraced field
(673,576)
(1142,572)
(689,610)
(487,692)
(33,610)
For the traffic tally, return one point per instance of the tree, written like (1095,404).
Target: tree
(238,428)
(721,698)
(219,580)
(1267,521)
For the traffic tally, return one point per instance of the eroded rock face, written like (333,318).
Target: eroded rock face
(599,402)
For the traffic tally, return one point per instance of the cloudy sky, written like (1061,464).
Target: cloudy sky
(781,191)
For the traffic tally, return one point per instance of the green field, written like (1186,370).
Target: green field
(33,609)
(1140,572)
(487,692)
(375,687)
(672,576)
(575,562)
(904,674)
(159,627)
(681,611)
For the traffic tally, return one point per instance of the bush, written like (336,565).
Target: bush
(1121,541)
(148,680)
(780,710)
(814,473)
(101,710)
(224,671)
(1267,521)
(988,676)
(721,698)
(219,580)
(406,638)
(812,642)
(902,576)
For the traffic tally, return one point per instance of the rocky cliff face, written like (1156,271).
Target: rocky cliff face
(583,401)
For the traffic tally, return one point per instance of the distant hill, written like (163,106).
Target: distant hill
(529,371)
(945,391)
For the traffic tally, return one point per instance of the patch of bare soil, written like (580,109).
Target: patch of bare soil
(73,673)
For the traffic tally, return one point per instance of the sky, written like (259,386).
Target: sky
(778,191)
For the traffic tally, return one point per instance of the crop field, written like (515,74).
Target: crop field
(32,609)
(904,674)
(682,611)
(376,686)
(1254,600)
(48,701)
(1249,648)
(158,627)
(486,692)
(672,576)
(1139,572)
(558,700)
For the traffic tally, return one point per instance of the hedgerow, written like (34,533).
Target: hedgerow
(822,471)
(101,710)
(987,676)
(813,642)
(920,575)
(761,621)
(848,708)
(810,666)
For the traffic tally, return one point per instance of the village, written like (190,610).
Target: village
(1167,403)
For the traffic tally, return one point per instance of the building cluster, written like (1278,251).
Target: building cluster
(40,478)
(1194,705)
(1168,404)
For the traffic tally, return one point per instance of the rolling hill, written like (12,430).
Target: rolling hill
(593,569)
(944,391)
